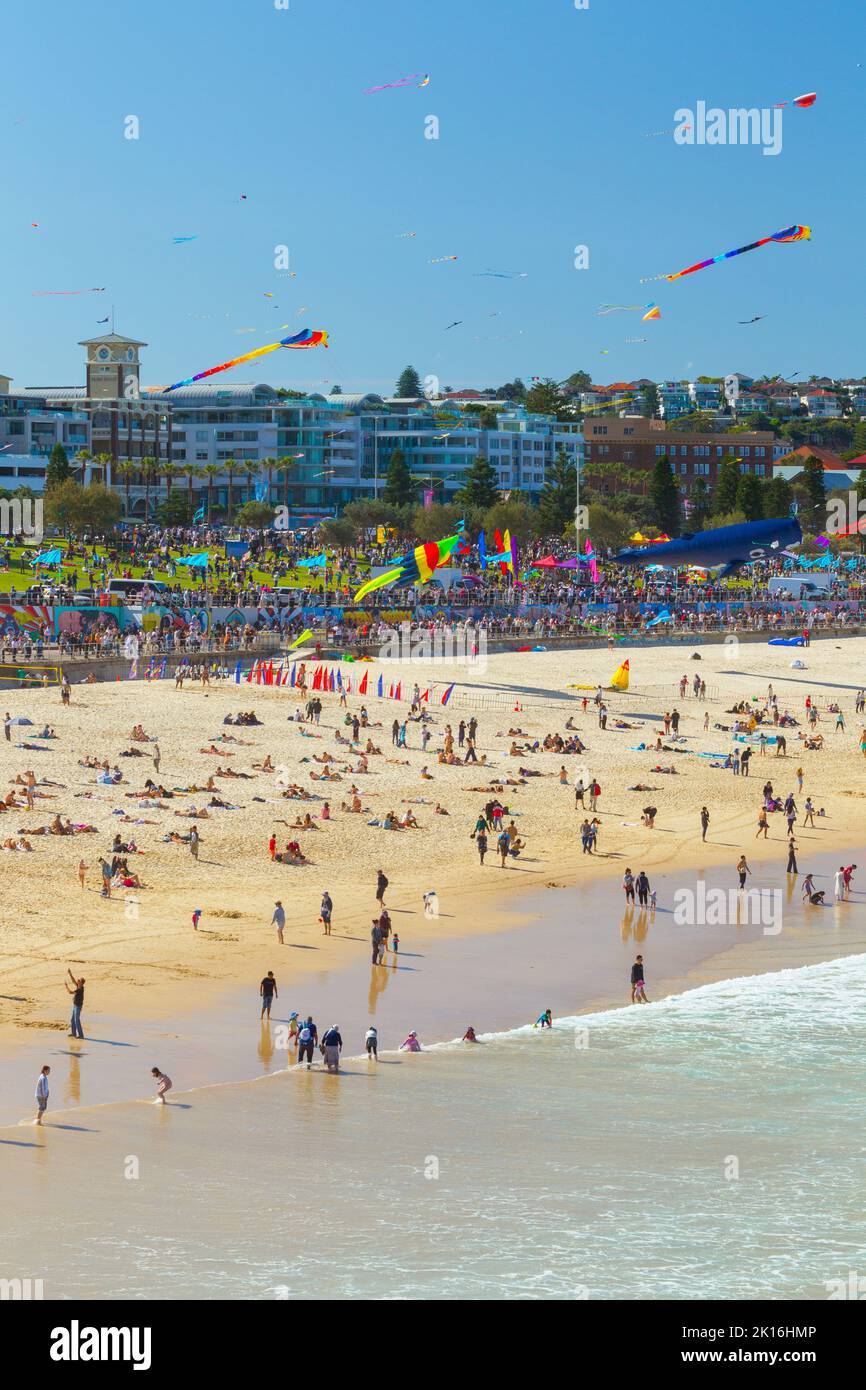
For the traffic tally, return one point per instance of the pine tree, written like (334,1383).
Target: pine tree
(408,384)
(58,470)
(777,497)
(399,489)
(815,507)
(727,482)
(558,500)
(700,500)
(480,487)
(664,497)
(750,497)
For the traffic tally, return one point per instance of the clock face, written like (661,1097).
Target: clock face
(130,354)
(103,354)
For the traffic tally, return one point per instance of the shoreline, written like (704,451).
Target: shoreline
(484,978)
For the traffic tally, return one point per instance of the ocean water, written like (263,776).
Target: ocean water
(709,1146)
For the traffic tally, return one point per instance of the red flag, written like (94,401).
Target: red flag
(447,696)
(331,682)
(317,679)
(426,696)
(391,691)
(398,693)
(362,688)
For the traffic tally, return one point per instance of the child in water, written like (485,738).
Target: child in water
(544,1020)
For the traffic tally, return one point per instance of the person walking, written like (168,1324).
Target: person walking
(503,845)
(381,886)
(594,794)
(792,854)
(839,884)
(742,870)
(809,809)
(269,992)
(325,912)
(628,886)
(41,1090)
(642,884)
(638,991)
(308,1036)
(763,824)
(193,843)
(279,920)
(375,941)
(578,794)
(75,1029)
(371,1042)
(332,1046)
(481,842)
(705,821)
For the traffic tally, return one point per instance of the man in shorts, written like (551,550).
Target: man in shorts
(332,1046)
(269,992)
(42,1094)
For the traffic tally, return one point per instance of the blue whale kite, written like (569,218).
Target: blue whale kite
(726,546)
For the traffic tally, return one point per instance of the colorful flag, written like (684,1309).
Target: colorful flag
(447,696)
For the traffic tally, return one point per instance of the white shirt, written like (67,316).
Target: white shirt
(42,1087)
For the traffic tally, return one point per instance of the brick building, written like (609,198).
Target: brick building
(640,442)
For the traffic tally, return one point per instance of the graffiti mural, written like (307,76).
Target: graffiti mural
(28,618)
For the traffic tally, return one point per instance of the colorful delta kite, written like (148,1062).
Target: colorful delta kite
(437,260)
(795,233)
(307,338)
(415,568)
(402,82)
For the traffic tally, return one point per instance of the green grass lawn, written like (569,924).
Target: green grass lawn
(20,578)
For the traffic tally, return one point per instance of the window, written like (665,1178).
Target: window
(746,452)
(201,456)
(201,436)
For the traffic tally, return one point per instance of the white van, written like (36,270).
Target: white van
(130,589)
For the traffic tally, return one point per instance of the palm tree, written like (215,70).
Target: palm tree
(127,469)
(269,465)
(251,469)
(82,458)
(211,471)
(190,471)
(147,469)
(229,467)
(286,466)
(169,471)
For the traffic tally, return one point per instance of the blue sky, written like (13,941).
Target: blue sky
(543,111)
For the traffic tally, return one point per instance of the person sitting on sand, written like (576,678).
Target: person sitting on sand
(354,805)
(371,749)
(408,820)
(266,766)
(440,810)
(307,823)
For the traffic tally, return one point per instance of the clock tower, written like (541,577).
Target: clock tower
(113,367)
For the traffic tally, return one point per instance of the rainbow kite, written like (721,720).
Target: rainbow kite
(795,233)
(307,338)
(415,568)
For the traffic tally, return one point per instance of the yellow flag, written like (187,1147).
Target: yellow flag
(619,679)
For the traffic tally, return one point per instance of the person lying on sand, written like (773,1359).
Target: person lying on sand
(193,814)
(326,776)
(228,772)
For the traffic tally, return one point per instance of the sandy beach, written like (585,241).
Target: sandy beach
(142,959)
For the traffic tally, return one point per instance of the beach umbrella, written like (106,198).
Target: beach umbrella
(20,720)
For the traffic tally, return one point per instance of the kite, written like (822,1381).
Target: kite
(808,99)
(398,235)
(794,233)
(304,309)
(100,289)
(503,274)
(415,568)
(645,279)
(268,294)
(307,632)
(637,340)
(102,320)
(653,312)
(403,82)
(455,324)
(307,338)
(650,134)
(728,546)
(437,260)
(756,319)
(178,239)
